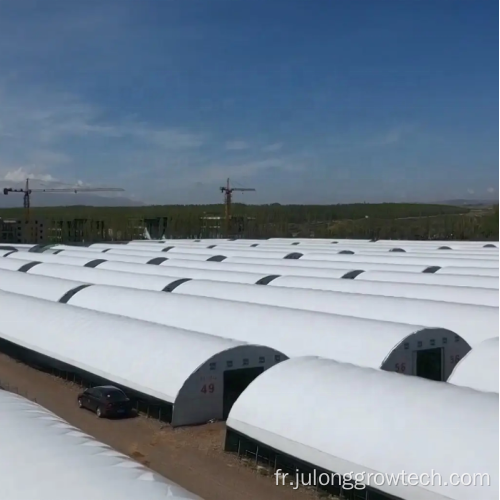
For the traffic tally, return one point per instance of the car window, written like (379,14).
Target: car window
(115,396)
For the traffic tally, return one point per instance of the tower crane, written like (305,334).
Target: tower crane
(228,200)
(27,191)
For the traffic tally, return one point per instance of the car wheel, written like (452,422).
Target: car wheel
(99,412)
(80,403)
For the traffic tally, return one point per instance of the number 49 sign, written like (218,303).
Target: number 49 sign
(208,389)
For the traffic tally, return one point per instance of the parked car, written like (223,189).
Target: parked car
(105,401)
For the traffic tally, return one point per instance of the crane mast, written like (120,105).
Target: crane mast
(227,190)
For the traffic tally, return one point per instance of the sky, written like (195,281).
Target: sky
(324,101)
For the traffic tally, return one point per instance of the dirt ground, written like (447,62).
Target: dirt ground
(192,457)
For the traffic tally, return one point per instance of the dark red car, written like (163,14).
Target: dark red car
(105,401)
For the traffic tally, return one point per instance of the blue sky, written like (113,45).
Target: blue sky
(308,101)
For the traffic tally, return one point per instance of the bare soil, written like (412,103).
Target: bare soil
(193,457)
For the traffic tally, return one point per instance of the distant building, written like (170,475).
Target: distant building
(213,226)
(75,231)
(156,227)
(40,231)
(22,231)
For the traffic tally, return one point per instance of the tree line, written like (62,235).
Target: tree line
(361,220)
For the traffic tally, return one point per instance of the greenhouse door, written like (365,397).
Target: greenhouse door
(430,364)
(235,382)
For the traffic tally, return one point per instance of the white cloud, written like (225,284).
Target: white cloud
(48,157)
(59,138)
(51,118)
(273,147)
(39,131)
(169,138)
(491,190)
(71,118)
(392,136)
(20,174)
(214,173)
(470,191)
(236,145)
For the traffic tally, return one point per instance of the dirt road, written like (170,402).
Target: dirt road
(192,457)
